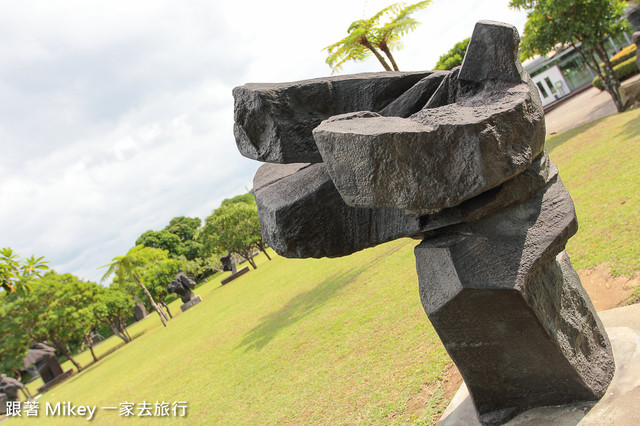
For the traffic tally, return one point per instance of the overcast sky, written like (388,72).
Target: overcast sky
(116,116)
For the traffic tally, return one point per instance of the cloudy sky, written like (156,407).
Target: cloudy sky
(116,116)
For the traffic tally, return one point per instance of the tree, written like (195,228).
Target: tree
(114,308)
(200,268)
(58,309)
(158,277)
(15,273)
(453,57)
(232,228)
(177,238)
(581,24)
(163,240)
(134,264)
(370,36)
(14,341)
(184,227)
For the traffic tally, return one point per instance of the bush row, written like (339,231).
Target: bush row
(622,71)
(623,55)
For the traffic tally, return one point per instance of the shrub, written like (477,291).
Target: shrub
(623,55)
(622,72)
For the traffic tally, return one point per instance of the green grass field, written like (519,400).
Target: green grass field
(340,341)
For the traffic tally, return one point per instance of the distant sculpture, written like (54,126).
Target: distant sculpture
(455,159)
(228,264)
(44,358)
(182,286)
(10,387)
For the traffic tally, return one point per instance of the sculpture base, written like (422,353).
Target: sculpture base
(55,381)
(190,303)
(234,276)
(619,405)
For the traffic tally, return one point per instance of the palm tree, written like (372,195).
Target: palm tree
(132,264)
(366,36)
(400,23)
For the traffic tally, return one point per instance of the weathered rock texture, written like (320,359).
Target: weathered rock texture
(286,193)
(483,125)
(303,215)
(455,159)
(511,311)
(273,121)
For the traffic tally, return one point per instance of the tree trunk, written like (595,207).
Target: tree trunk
(166,307)
(608,78)
(153,303)
(66,352)
(89,343)
(369,46)
(385,49)
(117,332)
(613,85)
(251,261)
(263,249)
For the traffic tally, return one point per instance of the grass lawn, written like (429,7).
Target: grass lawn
(599,164)
(340,340)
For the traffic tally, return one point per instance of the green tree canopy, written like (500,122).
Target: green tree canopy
(177,238)
(453,57)
(113,308)
(232,228)
(158,277)
(134,265)
(581,24)
(163,240)
(15,273)
(58,310)
(247,198)
(14,340)
(184,227)
(372,36)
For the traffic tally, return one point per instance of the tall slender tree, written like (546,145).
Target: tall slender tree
(368,37)
(133,264)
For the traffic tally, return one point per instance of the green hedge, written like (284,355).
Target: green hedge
(622,72)
(623,55)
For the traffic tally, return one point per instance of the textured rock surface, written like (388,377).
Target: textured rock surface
(303,215)
(273,121)
(516,190)
(471,136)
(540,341)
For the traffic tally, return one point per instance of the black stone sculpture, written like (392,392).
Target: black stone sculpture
(44,358)
(182,286)
(228,264)
(455,159)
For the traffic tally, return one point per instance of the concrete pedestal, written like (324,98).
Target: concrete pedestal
(234,276)
(620,405)
(190,303)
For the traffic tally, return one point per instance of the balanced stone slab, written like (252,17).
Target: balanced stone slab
(273,121)
(510,309)
(303,215)
(482,126)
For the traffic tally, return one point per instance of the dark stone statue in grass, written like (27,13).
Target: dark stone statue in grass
(455,159)
(10,387)
(182,286)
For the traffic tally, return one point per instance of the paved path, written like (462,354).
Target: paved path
(582,108)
